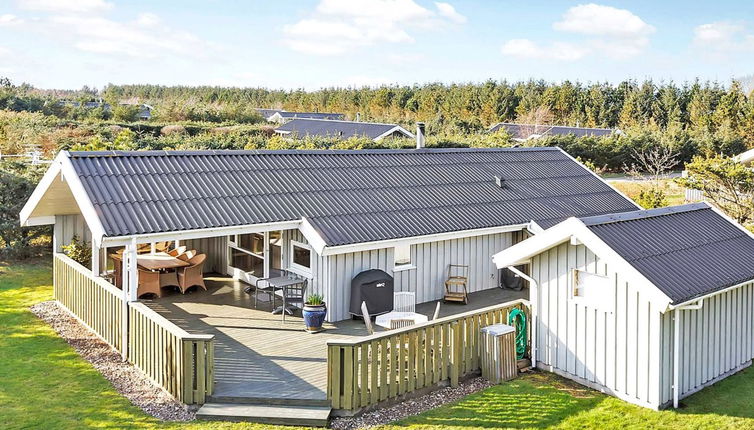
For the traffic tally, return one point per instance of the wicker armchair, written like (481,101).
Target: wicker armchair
(187,256)
(192,275)
(149,283)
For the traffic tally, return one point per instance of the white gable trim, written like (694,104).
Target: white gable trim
(393,130)
(574,228)
(312,236)
(36,196)
(62,165)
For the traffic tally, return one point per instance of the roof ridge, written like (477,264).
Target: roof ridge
(642,214)
(340,120)
(229,152)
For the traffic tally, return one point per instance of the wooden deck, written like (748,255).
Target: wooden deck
(257,355)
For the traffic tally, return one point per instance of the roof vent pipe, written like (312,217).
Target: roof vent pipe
(420,135)
(358,116)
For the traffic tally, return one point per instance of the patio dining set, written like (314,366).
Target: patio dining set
(160,267)
(283,284)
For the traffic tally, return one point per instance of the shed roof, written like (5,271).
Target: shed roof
(312,115)
(348,197)
(339,129)
(525,131)
(686,251)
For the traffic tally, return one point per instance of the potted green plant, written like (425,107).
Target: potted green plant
(314,312)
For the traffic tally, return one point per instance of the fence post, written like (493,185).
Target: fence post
(455,361)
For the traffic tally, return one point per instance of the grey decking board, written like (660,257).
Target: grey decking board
(256,355)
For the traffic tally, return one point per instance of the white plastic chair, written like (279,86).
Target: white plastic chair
(437,312)
(367,318)
(404,302)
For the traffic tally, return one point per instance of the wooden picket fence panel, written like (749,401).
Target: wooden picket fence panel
(180,362)
(93,300)
(388,364)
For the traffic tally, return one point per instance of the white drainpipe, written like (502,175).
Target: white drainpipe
(677,346)
(533,301)
(420,130)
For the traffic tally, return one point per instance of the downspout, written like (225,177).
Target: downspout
(677,345)
(533,301)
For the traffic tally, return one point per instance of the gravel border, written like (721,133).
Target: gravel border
(129,381)
(411,407)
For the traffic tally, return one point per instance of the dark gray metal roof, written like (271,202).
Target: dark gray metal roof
(266,113)
(347,196)
(524,131)
(686,251)
(337,129)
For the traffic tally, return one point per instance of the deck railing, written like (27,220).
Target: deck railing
(386,365)
(92,300)
(180,362)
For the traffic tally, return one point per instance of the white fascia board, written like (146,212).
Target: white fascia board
(567,231)
(82,199)
(745,157)
(598,177)
(39,220)
(707,296)
(391,243)
(393,130)
(731,220)
(201,233)
(50,175)
(312,236)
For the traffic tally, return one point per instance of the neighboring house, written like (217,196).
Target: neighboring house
(522,132)
(281,116)
(299,128)
(338,212)
(649,306)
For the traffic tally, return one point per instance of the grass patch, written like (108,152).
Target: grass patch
(675,194)
(45,384)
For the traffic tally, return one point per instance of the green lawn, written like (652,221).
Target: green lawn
(44,384)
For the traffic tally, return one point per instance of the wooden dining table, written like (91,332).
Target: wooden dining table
(158,261)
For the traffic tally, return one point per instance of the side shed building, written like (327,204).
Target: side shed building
(649,306)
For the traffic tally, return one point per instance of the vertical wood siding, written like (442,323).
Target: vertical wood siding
(216,249)
(68,226)
(426,280)
(715,340)
(616,347)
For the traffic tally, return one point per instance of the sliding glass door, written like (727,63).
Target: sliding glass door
(255,255)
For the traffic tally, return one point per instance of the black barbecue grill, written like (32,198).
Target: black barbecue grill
(375,287)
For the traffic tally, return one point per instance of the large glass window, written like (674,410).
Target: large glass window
(248,254)
(301,258)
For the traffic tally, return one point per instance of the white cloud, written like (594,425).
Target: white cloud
(65,6)
(10,19)
(611,32)
(148,20)
(598,20)
(723,38)
(339,26)
(525,48)
(448,11)
(139,38)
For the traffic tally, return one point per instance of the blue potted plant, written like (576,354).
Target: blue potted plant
(314,313)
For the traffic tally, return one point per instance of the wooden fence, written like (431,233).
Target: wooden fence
(180,362)
(386,365)
(93,300)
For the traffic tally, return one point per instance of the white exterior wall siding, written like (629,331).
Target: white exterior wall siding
(67,226)
(318,281)
(427,278)
(617,352)
(715,341)
(216,249)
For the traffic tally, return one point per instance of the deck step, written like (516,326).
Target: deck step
(279,401)
(309,416)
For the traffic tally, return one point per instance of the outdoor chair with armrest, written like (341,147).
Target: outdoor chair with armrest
(193,274)
(367,318)
(177,251)
(149,283)
(188,255)
(261,285)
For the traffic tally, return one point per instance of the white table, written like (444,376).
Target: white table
(384,319)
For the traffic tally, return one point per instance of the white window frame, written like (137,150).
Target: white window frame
(403,266)
(297,268)
(603,300)
(233,245)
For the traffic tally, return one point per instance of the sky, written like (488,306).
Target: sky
(319,43)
